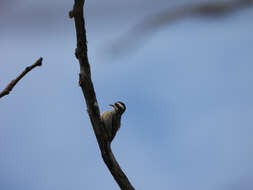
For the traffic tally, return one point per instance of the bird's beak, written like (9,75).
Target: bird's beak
(111,105)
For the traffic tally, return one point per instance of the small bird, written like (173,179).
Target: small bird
(111,118)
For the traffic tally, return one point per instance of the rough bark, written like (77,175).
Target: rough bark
(11,85)
(87,87)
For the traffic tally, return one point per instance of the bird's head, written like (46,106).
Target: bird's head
(119,107)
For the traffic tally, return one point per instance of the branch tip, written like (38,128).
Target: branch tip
(13,82)
(39,61)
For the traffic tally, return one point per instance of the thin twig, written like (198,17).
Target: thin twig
(86,84)
(10,86)
(146,27)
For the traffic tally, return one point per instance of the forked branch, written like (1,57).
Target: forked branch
(86,84)
(10,86)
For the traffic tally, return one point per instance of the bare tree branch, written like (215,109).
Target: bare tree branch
(10,86)
(86,84)
(152,23)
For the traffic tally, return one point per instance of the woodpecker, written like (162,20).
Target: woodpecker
(111,118)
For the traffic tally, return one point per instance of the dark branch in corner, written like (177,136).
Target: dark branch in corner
(152,23)
(10,86)
(86,84)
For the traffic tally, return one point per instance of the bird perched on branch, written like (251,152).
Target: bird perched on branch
(111,118)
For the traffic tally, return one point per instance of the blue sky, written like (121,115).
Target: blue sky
(188,91)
